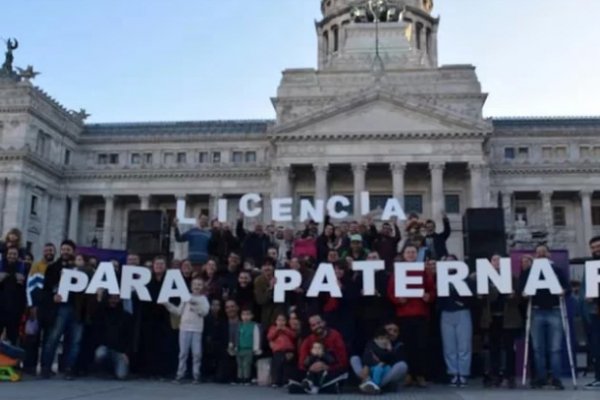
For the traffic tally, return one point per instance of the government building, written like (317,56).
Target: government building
(379,114)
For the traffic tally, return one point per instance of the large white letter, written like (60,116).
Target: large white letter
(222,210)
(335,200)
(393,207)
(308,211)
(542,276)
(135,278)
(402,280)
(180,213)
(365,203)
(173,286)
(245,206)
(592,279)
(282,209)
(286,280)
(457,278)
(501,279)
(71,280)
(105,278)
(324,281)
(368,269)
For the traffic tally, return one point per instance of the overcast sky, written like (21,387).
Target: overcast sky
(150,60)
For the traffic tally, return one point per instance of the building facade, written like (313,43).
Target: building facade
(382,117)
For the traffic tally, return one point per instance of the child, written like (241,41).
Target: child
(190,329)
(282,341)
(248,345)
(313,381)
(377,360)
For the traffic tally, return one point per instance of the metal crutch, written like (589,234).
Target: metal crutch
(527,332)
(567,330)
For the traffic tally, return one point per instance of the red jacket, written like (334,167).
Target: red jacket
(413,307)
(282,340)
(333,343)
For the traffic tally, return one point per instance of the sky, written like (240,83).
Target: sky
(165,60)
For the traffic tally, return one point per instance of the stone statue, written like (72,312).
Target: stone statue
(522,234)
(11,44)
(27,73)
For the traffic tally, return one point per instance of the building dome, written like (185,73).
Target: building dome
(332,7)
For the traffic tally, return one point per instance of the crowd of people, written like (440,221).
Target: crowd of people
(231,331)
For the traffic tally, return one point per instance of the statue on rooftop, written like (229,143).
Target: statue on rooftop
(11,44)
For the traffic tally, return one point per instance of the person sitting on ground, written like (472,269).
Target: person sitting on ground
(316,378)
(333,343)
(114,329)
(377,360)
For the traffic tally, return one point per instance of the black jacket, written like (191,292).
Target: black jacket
(114,328)
(439,240)
(543,299)
(254,246)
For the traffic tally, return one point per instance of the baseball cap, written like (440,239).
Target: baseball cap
(356,238)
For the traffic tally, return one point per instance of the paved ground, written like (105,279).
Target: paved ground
(92,389)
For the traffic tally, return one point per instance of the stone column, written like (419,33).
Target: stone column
(508,210)
(14,206)
(437,191)
(266,208)
(360,172)
(477,189)
(546,197)
(586,210)
(109,207)
(321,181)
(45,218)
(398,170)
(281,181)
(144,202)
(74,218)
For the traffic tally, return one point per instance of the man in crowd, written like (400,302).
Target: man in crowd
(254,244)
(436,242)
(63,317)
(333,346)
(546,327)
(592,319)
(198,239)
(385,243)
(228,278)
(113,328)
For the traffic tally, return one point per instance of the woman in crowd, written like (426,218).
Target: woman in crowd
(211,281)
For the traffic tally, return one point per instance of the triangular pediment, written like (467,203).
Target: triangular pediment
(378,112)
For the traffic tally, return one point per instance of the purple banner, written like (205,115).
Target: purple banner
(103,254)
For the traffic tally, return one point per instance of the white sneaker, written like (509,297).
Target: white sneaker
(454,382)
(593,386)
(369,387)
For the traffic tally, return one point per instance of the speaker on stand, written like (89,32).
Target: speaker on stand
(148,234)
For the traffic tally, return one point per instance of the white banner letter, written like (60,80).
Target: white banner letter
(393,207)
(245,205)
(333,202)
(365,203)
(286,280)
(180,213)
(173,286)
(105,278)
(457,278)
(368,269)
(135,278)
(402,280)
(592,279)
(542,276)
(282,209)
(308,211)
(502,279)
(324,281)
(222,210)
(71,281)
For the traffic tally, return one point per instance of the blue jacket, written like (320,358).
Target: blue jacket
(198,240)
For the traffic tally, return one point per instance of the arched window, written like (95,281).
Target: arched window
(418,32)
(336,37)
(428,40)
(325,43)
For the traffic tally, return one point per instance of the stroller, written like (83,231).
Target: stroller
(10,357)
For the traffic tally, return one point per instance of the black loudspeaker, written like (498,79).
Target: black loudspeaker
(148,233)
(484,233)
